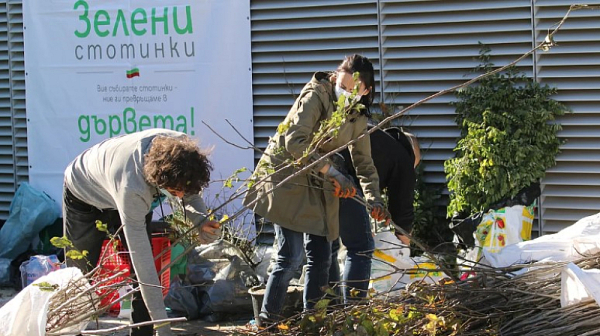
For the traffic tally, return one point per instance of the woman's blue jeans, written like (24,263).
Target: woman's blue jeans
(291,246)
(356,235)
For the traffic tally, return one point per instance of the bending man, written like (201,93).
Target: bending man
(116,182)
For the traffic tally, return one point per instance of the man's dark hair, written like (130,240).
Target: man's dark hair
(177,163)
(364,67)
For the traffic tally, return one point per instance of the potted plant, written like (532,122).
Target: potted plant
(508,138)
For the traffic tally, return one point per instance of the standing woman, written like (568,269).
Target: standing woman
(305,208)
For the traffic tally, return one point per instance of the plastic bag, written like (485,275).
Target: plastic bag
(578,285)
(27,313)
(392,268)
(229,292)
(182,299)
(222,278)
(4,272)
(29,212)
(581,238)
(36,267)
(505,226)
(497,230)
(125,304)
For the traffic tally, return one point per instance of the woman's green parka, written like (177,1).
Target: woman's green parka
(306,203)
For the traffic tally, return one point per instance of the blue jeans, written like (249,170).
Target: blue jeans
(355,232)
(291,246)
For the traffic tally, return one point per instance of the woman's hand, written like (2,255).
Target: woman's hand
(344,187)
(379,212)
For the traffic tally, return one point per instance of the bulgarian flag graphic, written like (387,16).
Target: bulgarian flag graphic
(135,72)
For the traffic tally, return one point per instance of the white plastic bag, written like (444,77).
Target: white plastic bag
(578,285)
(26,314)
(569,244)
(498,230)
(392,268)
(125,304)
(503,227)
(388,255)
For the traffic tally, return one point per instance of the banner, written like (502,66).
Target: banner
(99,69)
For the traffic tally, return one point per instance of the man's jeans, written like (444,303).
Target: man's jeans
(356,235)
(79,220)
(290,256)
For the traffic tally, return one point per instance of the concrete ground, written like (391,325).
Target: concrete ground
(190,328)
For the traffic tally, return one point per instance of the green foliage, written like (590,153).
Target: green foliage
(366,320)
(508,138)
(64,242)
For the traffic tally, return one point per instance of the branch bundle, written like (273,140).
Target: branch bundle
(493,302)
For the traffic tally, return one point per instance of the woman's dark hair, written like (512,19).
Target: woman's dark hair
(364,67)
(177,163)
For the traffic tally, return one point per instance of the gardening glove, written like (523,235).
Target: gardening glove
(344,187)
(210,231)
(379,212)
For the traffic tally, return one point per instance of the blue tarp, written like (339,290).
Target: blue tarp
(30,212)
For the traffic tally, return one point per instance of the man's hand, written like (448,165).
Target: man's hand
(403,239)
(379,212)
(210,231)
(344,187)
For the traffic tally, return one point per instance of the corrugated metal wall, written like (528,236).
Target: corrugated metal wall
(424,46)
(420,46)
(293,39)
(429,46)
(571,190)
(13,124)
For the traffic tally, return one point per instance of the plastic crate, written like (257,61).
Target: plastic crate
(118,260)
(114,261)
(160,244)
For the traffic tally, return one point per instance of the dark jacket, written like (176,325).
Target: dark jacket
(394,159)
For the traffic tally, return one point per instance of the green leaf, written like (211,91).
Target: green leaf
(46,286)
(368,325)
(61,242)
(76,255)
(395,314)
(102,227)
(382,329)
(322,304)
(283,127)
(228,183)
